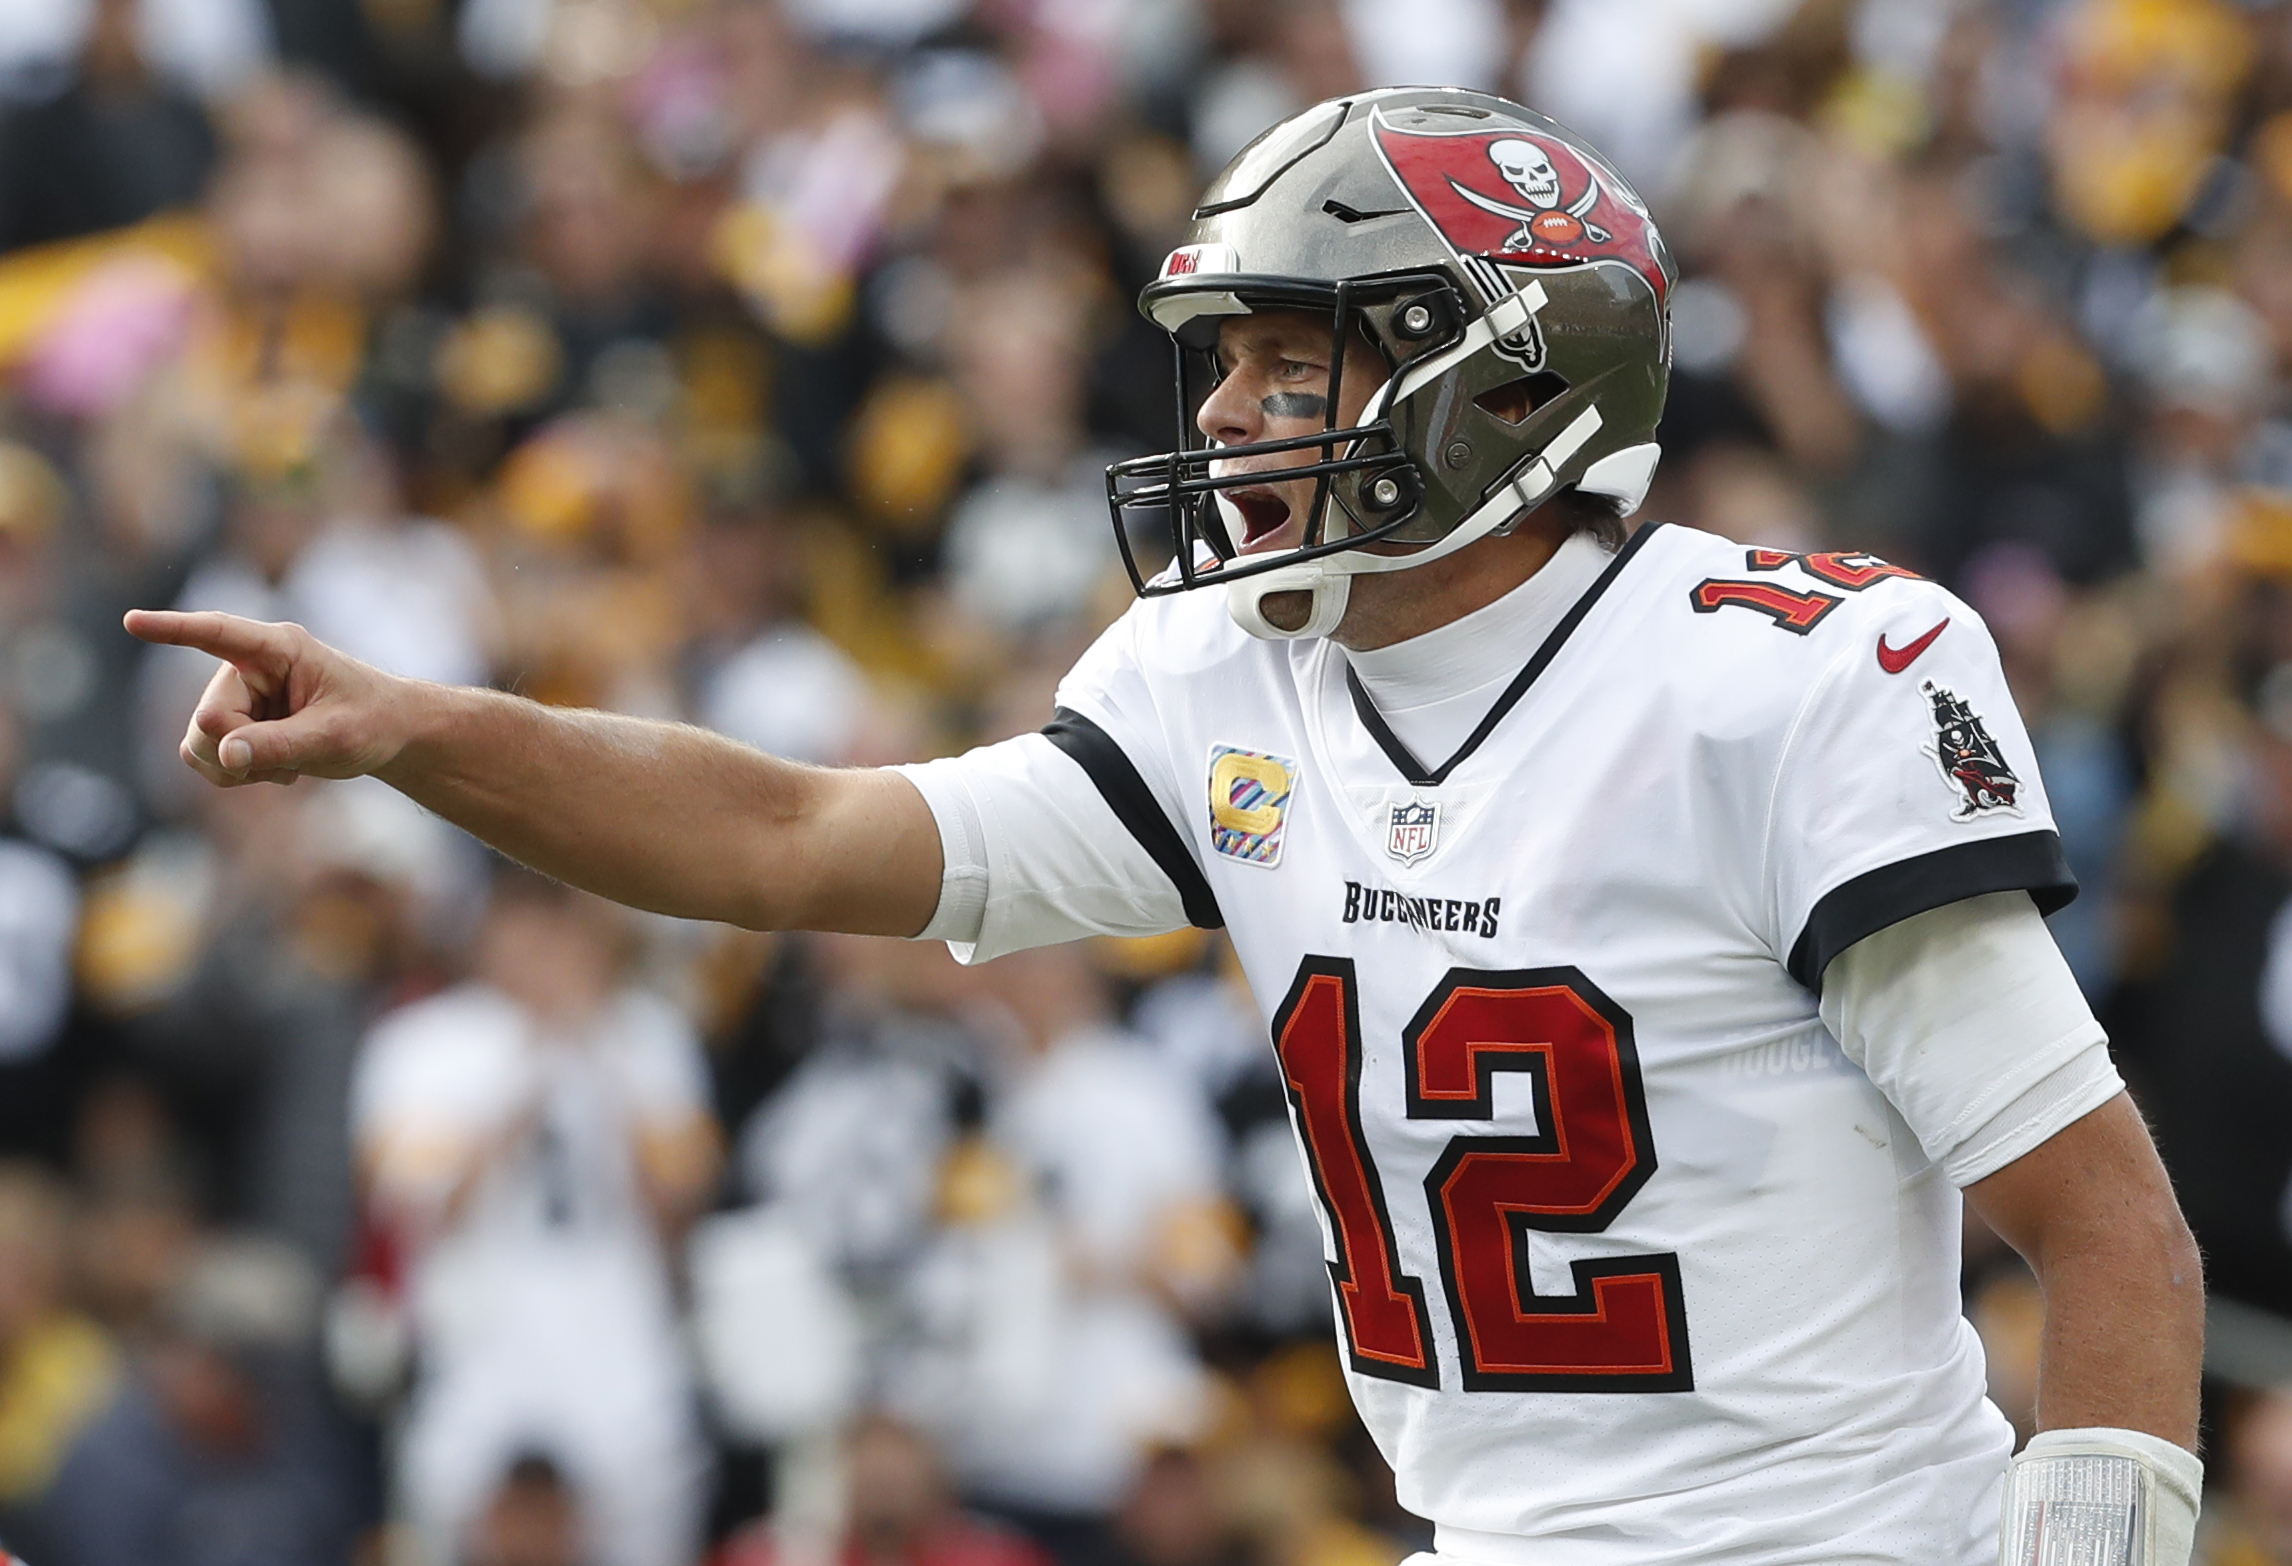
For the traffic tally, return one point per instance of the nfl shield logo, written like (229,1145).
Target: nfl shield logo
(1413,831)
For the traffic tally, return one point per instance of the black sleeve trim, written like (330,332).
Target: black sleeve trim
(1133,803)
(2030,862)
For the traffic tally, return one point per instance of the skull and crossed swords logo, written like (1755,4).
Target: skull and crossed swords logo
(1528,169)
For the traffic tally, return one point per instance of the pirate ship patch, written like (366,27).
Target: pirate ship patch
(1972,766)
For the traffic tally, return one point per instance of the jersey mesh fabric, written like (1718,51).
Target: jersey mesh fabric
(1689,805)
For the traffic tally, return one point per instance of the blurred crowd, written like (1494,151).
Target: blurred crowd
(755,362)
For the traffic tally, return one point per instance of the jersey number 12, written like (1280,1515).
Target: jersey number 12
(1623,1328)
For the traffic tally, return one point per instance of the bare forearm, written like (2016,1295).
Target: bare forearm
(2123,1281)
(2124,1342)
(668,817)
(656,815)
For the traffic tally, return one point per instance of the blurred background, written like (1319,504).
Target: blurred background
(754,362)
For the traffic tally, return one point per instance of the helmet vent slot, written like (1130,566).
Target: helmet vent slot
(1514,401)
(1345,214)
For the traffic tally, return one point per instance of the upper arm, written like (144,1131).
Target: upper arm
(1039,850)
(1091,828)
(861,858)
(2095,1183)
(1076,830)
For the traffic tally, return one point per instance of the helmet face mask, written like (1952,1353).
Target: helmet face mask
(1366,486)
(1509,280)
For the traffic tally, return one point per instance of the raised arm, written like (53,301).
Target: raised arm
(656,815)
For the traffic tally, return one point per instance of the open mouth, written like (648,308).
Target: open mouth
(1262,513)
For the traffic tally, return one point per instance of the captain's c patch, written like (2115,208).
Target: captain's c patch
(1249,803)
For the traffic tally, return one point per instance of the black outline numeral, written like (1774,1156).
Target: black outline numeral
(1852,569)
(1797,613)
(1555,1024)
(1370,1256)
(1575,1046)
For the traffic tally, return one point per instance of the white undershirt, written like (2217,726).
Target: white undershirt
(1433,690)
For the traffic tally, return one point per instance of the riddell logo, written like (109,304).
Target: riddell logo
(1194,260)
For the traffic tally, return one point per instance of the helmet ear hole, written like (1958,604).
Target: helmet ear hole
(1514,401)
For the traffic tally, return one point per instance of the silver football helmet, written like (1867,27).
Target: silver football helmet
(1510,279)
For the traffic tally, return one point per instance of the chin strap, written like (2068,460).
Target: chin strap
(2100,1497)
(1331,590)
(1330,578)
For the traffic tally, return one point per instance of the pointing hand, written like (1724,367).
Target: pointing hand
(283,705)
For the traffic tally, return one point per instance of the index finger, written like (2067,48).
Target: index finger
(230,637)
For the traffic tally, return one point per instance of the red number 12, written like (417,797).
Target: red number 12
(1624,1326)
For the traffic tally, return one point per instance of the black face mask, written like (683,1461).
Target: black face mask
(1363,475)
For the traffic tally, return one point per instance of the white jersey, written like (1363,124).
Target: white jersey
(1632,1262)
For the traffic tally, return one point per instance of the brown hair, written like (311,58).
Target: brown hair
(1602,516)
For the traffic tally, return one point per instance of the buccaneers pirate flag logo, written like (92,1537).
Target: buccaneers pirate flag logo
(1520,198)
(1971,763)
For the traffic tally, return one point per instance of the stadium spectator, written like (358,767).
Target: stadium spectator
(532,1518)
(2209,1029)
(39,922)
(115,146)
(2251,1524)
(1118,1158)
(900,1511)
(536,1139)
(58,1368)
(218,1450)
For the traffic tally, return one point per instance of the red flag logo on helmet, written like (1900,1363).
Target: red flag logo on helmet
(1515,196)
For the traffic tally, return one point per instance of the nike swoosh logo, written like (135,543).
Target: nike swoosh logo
(1895,659)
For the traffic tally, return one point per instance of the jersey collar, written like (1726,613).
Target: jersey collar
(1454,660)
(1430,669)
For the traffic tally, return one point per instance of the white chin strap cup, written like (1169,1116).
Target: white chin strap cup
(2100,1497)
(1331,590)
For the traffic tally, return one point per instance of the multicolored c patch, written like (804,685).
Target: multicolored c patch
(1249,803)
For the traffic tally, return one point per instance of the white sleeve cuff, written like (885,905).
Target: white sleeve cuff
(962,852)
(2053,1103)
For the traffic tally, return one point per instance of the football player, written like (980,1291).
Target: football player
(1648,929)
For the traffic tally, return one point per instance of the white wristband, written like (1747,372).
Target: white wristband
(2100,1497)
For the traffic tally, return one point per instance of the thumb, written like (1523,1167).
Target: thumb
(294,744)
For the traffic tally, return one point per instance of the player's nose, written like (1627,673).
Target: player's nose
(1230,414)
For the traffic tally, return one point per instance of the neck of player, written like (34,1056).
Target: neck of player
(1394,606)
